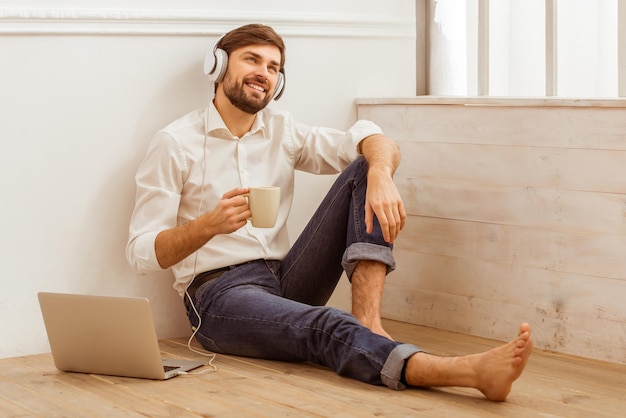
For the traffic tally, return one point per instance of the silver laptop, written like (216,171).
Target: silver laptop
(107,335)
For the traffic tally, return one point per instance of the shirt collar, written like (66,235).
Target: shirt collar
(216,127)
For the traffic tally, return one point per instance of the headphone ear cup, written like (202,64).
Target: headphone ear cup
(209,62)
(280,85)
(215,64)
(221,64)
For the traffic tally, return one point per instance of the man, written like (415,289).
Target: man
(249,293)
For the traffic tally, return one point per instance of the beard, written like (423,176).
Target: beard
(247,103)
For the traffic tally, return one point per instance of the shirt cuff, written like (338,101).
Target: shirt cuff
(361,130)
(142,254)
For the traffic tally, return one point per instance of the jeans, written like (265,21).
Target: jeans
(274,309)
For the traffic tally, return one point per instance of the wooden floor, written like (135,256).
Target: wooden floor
(552,385)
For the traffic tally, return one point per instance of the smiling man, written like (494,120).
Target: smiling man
(247,290)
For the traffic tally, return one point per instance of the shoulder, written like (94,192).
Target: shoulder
(281,123)
(177,139)
(271,115)
(191,121)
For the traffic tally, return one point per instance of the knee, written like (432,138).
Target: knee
(360,164)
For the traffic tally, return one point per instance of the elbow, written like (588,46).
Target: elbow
(141,258)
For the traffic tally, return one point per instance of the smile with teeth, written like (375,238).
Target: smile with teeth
(256,87)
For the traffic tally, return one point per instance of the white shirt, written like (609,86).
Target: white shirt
(185,173)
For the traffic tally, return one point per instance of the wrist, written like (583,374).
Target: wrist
(379,170)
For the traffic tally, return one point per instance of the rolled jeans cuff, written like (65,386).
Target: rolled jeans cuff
(367,251)
(391,374)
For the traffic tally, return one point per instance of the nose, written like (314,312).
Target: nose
(263,72)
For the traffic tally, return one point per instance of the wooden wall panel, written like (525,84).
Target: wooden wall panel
(562,168)
(514,205)
(516,213)
(564,126)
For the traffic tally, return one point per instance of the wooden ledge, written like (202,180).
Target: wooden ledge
(495,101)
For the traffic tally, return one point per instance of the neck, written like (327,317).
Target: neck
(237,121)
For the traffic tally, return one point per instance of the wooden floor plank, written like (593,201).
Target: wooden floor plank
(308,388)
(325,391)
(8,408)
(564,399)
(553,385)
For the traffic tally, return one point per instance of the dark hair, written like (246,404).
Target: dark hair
(252,34)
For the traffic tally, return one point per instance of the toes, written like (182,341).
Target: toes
(524,328)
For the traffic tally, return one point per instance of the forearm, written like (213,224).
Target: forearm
(382,198)
(175,244)
(230,214)
(381,153)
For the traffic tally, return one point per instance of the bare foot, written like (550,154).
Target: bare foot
(497,369)
(492,372)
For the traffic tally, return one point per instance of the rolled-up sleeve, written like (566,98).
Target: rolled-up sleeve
(141,254)
(358,132)
(328,150)
(159,182)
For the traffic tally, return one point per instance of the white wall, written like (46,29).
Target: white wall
(82,90)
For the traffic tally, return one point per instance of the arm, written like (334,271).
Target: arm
(230,214)
(383,198)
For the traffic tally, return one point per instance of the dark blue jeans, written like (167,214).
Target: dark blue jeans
(275,309)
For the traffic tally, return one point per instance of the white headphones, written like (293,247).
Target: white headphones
(216,63)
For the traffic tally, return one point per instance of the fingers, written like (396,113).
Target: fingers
(393,225)
(383,200)
(232,211)
(229,199)
(391,217)
(369,219)
(235,192)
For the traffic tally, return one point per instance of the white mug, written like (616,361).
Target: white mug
(264,202)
